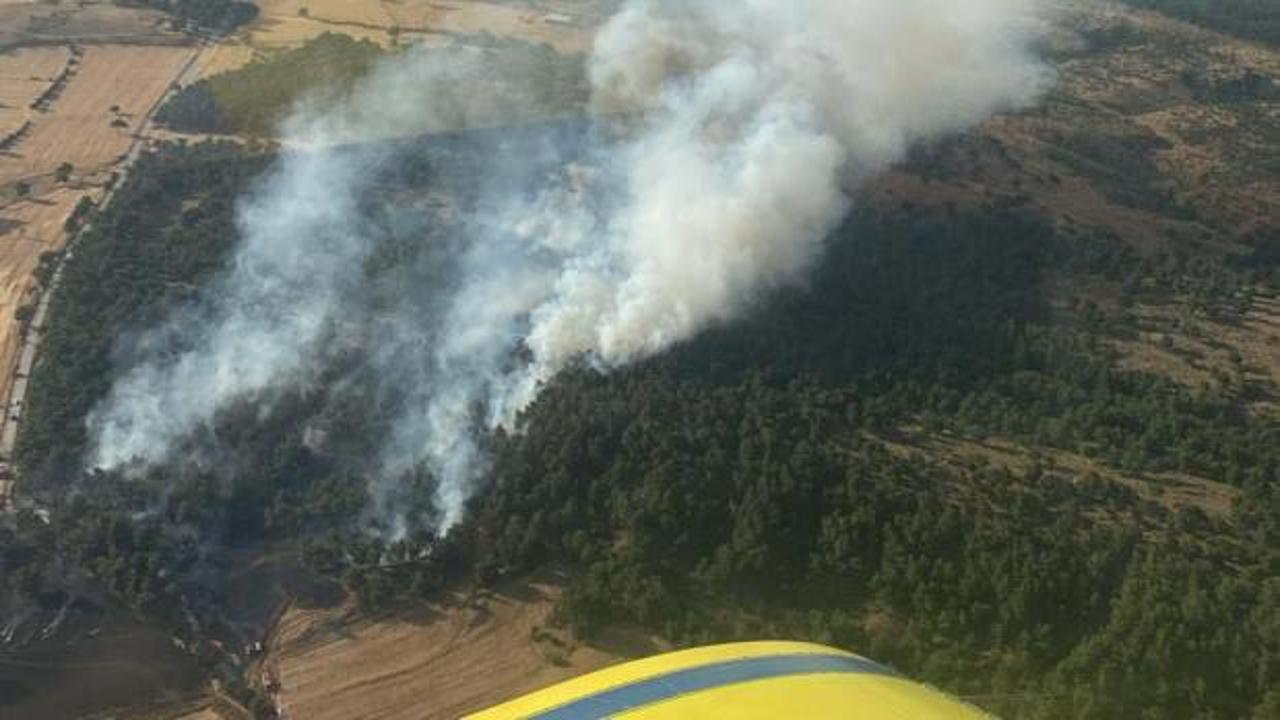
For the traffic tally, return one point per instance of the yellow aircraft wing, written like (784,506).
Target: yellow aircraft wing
(751,681)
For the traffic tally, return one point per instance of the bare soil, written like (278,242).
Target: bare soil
(463,656)
(81,127)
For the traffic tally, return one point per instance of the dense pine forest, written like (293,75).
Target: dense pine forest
(834,467)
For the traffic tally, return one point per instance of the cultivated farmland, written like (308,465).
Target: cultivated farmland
(565,25)
(456,659)
(24,74)
(92,123)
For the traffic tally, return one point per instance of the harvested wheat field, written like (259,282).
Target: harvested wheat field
(280,26)
(357,12)
(81,126)
(566,26)
(447,663)
(24,74)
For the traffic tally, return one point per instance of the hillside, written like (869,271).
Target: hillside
(1018,436)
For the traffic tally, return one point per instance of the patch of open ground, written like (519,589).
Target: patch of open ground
(565,25)
(24,74)
(92,123)
(463,656)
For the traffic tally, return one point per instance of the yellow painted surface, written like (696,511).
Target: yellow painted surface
(834,696)
(818,696)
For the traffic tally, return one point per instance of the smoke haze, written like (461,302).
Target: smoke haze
(736,131)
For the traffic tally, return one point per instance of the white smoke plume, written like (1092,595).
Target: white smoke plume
(738,130)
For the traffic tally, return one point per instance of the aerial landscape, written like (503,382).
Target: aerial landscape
(405,358)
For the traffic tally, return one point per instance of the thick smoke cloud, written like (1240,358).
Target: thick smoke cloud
(736,132)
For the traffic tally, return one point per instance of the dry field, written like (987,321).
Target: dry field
(78,129)
(24,74)
(452,661)
(514,20)
(360,12)
(289,23)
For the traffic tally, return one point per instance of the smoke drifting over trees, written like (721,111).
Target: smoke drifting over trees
(736,132)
